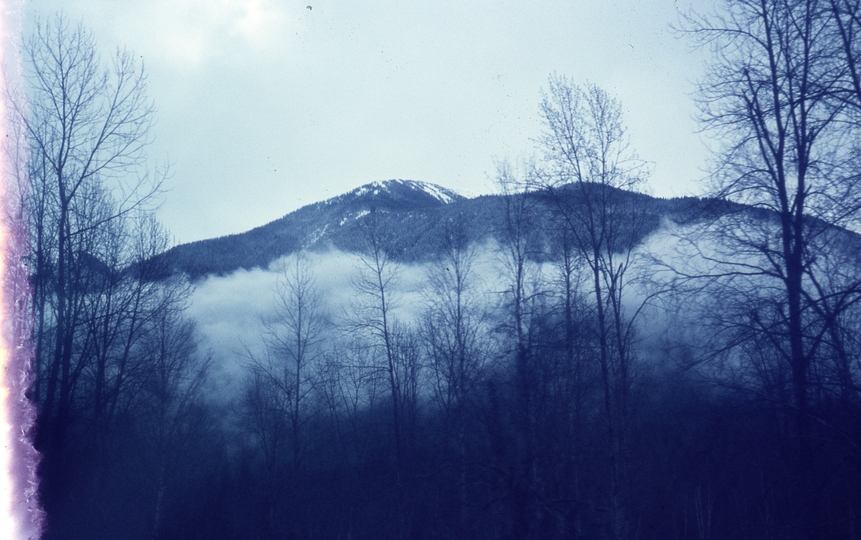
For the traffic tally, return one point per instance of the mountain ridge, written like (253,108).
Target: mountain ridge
(415,215)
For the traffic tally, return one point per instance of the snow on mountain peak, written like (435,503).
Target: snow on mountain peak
(404,187)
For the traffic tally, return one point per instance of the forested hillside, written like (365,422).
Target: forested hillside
(413,219)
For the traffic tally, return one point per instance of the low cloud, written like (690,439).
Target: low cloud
(229,310)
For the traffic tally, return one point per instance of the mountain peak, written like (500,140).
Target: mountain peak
(402,192)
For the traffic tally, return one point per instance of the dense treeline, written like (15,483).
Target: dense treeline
(116,370)
(581,390)
(467,422)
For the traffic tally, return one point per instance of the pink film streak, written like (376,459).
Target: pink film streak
(22,516)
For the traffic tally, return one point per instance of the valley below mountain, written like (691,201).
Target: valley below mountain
(236,277)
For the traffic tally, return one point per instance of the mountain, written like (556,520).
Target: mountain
(412,216)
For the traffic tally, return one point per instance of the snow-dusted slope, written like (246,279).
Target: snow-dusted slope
(413,217)
(411,193)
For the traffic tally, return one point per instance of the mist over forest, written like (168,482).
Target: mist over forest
(567,358)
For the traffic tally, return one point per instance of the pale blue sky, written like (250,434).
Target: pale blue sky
(266,105)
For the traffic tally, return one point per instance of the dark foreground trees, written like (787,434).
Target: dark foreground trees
(781,97)
(87,128)
(117,372)
(278,402)
(589,169)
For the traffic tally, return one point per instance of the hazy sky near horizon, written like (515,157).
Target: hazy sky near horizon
(264,106)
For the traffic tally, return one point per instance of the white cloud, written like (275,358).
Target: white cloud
(185,33)
(229,309)
(193,31)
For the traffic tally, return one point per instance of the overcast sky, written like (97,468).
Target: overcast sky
(264,106)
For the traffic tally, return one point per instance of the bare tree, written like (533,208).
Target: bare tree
(279,398)
(781,97)
(350,389)
(844,29)
(170,391)
(453,322)
(373,314)
(87,128)
(789,142)
(119,306)
(293,337)
(454,325)
(522,300)
(589,168)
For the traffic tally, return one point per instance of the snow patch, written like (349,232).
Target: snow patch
(439,193)
(316,235)
(444,195)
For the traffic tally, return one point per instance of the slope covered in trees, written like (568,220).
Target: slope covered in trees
(414,220)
